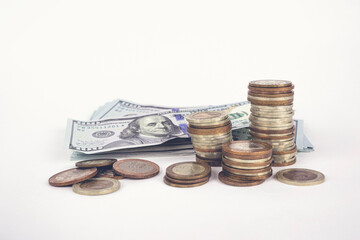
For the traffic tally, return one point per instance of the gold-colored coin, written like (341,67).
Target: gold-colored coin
(278,149)
(292,150)
(188,170)
(270,83)
(270,99)
(210,131)
(96,186)
(283,128)
(261,160)
(270,90)
(247,176)
(206,117)
(238,183)
(271,103)
(300,176)
(179,185)
(271,95)
(286,108)
(284,163)
(284,157)
(247,148)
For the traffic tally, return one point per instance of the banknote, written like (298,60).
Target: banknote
(141,130)
(122,109)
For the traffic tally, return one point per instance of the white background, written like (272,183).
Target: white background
(63,59)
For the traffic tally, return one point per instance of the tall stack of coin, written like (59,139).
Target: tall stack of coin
(245,163)
(271,118)
(208,131)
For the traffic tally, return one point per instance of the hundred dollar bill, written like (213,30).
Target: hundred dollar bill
(120,109)
(140,130)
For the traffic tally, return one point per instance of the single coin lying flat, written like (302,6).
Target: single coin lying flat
(300,177)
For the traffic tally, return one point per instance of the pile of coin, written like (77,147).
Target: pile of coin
(246,163)
(100,176)
(187,174)
(271,118)
(208,131)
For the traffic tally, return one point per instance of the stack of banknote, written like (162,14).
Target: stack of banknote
(121,128)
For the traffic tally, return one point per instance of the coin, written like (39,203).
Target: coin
(292,150)
(96,186)
(270,103)
(261,176)
(206,117)
(136,168)
(108,173)
(271,115)
(206,125)
(246,165)
(71,176)
(173,184)
(95,163)
(210,162)
(270,83)
(270,99)
(260,160)
(247,148)
(284,163)
(246,172)
(271,90)
(179,181)
(300,176)
(285,108)
(269,131)
(188,170)
(271,136)
(210,131)
(271,95)
(278,129)
(238,183)
(209,155)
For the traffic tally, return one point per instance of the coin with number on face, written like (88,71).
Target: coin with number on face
(136,168)
(71,176)
(96,186)
(300,176)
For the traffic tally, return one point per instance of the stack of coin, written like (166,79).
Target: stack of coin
(187,174)
(208,131)
(271,118)
(245,163)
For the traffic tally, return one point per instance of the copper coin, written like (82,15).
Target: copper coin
(271,90)
(279,95)
(284,164)
(248,177)
(270,83)
(174,180)
(238,183)
(247,148)
(293,150)
(173,184)
(106,172)
(71,176)
(210,131)
(269,137)
(136,168)
(271,103)
(96,186)
(211,163)
(300,176)
(188,170)
(95,163)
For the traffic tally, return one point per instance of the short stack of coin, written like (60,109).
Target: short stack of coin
(187,174)
(271,118)
(246,163)
(208,131)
